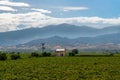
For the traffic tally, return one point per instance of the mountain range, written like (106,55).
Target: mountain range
(65,34)
(63,41)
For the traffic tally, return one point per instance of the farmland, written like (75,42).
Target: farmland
(61,68)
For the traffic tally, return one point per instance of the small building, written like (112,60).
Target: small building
(60,52)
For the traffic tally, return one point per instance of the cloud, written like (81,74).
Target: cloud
(9,21)
(74,8)
(95,22)
(41,10)
(38,18)
(7,5)
(6,8)
(15,4)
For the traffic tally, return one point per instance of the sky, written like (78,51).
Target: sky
(22,14)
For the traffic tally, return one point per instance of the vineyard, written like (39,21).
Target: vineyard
(61,68)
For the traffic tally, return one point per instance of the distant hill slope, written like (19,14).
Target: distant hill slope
(54,41)
(62,30)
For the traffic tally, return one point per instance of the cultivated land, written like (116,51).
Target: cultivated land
(61,68)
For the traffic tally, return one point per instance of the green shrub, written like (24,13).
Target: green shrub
(111,54)
(71,54)
(46,54)
(34,54)
(3,56)
(15,56)
(75,51)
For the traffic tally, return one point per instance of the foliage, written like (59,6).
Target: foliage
(3,56)
(34,54)
(75,51)
(61,68)
(111,54)
(85,67)
(46,54)
(71,54)
(15,56)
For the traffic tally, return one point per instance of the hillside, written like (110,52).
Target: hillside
(110,41)
(62,30)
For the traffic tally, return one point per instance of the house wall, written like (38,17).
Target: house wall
(60,53)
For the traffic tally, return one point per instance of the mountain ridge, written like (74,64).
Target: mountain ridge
(61,30)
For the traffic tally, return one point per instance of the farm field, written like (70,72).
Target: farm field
(61,68)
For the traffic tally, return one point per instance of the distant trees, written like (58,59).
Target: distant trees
(15,56)
(3,56)
(73,52)
(34,54)
(44,54)
(111,52)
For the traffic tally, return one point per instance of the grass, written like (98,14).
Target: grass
(61,68)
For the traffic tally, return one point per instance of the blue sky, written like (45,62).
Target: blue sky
(101,8)
(39,13)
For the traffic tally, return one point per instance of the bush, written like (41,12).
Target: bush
(34,54)
(46,54)
(75,51)
(3,56)
(71,54)
(111,54)
(15,56)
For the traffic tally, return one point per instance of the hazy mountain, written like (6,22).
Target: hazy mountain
(62,30)
(54,41)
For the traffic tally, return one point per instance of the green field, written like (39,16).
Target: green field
(61,68)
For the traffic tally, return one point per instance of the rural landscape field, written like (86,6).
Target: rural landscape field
(61,68)
(59,40)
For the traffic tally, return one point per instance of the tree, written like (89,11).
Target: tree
(45,54)
(75,51)
(15,56)
(34,54)
(71,54)
(3,56)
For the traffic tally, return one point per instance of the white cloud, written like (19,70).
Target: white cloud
(6,8)
(6,5)
(41,10)
(74,8)
(9,21)
(95,22)
(16,4)
(38,18)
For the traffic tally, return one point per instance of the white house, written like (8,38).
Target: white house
(60,52)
